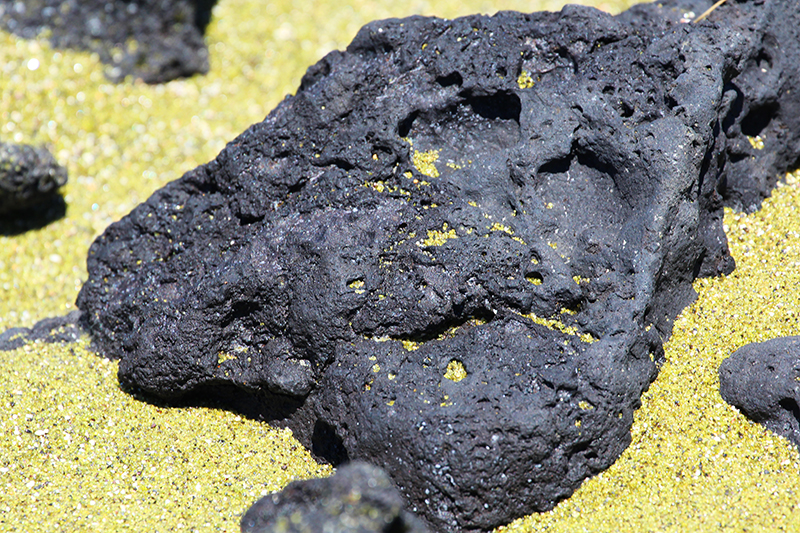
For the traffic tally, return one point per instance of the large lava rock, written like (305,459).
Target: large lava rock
(358,498)
(155,40)
(763,380)
(457,250)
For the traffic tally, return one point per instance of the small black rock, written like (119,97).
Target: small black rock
(29,179)
(358,498)
(155,40)
(763,381)
(56,329)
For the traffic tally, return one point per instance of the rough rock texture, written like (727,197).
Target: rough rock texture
(359,498)
(29,178)
(56,329)
(156,40)
(457,250)
(763,380)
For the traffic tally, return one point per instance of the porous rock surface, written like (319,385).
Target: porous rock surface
(358,498)
(53,329)
(763,380)
(457,250)
(29,178)
(155,40)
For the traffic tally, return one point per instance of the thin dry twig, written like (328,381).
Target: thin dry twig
(708,11)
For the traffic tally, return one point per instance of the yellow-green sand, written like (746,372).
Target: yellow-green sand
(79,454)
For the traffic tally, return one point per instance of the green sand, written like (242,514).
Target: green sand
(79,454)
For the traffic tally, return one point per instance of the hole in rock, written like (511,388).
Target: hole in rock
(326,444)
(501,105)
(758,119)
(764,60)
(555,166)
(471,130)
(581,447)
(789,405)
(454,78)
(456,371)
(356,283)
(296,187)
(404,128)
(732,91)
(609,195)
(735,158)
(342,164)
(535,277)
(240,310)
(246,219)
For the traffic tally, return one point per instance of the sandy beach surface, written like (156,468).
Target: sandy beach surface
(79,454)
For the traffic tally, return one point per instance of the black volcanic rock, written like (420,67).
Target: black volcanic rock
(155,40)
(763,381)
(358,498)
(29,179)
(456,251)
(55,329)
